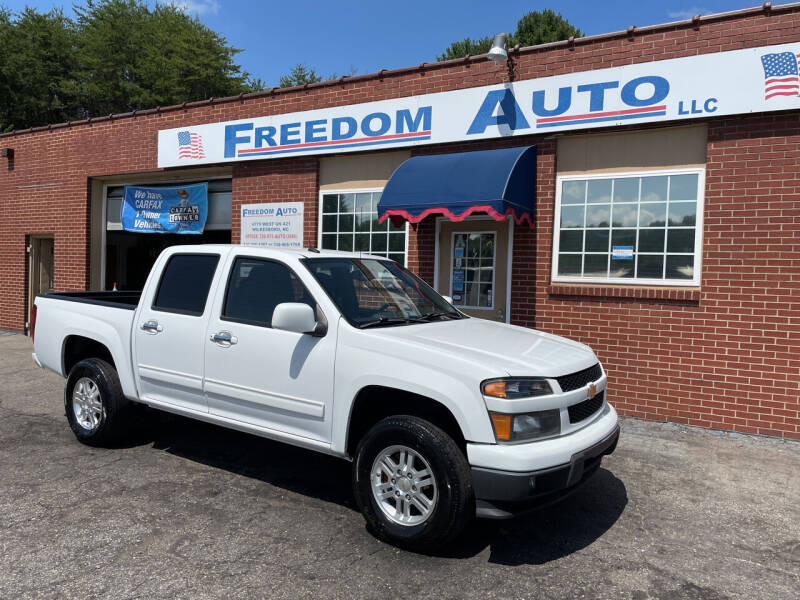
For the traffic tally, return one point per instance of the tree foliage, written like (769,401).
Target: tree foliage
(116,56)
(543,27)
(36,62)
(299,75)
(466,46)
(535,27)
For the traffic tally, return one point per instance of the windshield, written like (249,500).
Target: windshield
(373,293)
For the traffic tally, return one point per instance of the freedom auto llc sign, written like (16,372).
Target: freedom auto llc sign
(273,225)
(724,83)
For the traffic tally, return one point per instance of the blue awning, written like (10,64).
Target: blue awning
(497,182)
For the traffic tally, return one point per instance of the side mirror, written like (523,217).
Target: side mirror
(294,316)
(448,298)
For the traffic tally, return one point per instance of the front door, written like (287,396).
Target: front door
(473,266)
(40,268)
(267,377)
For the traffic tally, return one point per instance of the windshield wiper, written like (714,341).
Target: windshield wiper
(391,321)
(439,314)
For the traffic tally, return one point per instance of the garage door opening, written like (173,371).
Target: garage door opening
(128,256)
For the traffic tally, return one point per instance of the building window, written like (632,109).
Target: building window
(631,228)
(350,223)
(472,263)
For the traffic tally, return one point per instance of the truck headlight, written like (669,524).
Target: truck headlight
(516,387)
(526,426)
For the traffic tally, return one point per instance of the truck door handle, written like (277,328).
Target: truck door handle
(224,338)
(152,326)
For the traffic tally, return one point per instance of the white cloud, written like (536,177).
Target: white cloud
(199,7)
(688,13)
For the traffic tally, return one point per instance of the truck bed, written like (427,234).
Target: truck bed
(128,299)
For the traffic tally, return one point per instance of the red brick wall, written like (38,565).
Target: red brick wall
(728,356)
(421,249)
(724,356)
(281,180)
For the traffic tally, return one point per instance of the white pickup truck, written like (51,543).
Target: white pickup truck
(443,416)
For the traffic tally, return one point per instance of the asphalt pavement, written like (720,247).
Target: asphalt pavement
(196,511)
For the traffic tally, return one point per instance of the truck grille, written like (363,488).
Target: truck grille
(583,410)
(573,381)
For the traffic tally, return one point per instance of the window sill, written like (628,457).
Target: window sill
(631,292)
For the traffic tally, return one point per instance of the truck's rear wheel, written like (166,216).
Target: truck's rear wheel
(94,403)
(412,483)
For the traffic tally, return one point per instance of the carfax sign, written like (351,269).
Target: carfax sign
(723,83)
(179,209)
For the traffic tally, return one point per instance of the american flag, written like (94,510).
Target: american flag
(190,145)
(780,74)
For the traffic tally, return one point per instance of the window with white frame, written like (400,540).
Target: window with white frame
(349,222)
(472,269)
(629,228)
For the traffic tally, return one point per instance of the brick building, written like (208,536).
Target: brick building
(664,207)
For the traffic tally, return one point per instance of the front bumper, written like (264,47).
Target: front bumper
(503,494)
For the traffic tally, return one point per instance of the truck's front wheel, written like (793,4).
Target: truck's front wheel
(94,403)
(412,483)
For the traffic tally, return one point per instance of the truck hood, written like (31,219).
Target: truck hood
(498,347)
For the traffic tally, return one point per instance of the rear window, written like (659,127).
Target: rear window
(185,283)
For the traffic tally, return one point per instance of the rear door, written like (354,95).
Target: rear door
(170,328)
(276,379)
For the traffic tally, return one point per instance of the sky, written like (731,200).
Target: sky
(345,36)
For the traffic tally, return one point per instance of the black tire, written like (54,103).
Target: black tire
(113,424)
(455,505)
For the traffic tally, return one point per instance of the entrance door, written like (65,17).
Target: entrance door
(40,268)
(473,266)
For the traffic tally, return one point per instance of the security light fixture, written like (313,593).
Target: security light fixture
(498,53)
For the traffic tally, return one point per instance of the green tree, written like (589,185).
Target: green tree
(466,46)
(255,84)
(543,27)
(133,57)
(535,27)
(299,75)
(36,66)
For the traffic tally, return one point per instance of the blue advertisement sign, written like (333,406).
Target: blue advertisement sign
(458,281)
(178,209)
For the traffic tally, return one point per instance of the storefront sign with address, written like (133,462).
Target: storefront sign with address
(273,225)
(693,87)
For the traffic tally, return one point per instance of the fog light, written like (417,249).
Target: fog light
(527,426)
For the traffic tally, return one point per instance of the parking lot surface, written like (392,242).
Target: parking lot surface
(196,511)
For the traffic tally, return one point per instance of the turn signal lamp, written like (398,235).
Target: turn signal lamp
(502,426)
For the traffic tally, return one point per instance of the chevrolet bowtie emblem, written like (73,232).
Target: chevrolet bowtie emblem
(592,391)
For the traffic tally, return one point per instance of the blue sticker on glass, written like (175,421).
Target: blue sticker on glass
(622,252)
(458,281)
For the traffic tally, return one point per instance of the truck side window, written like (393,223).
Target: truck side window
(257,286)
(185,283)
